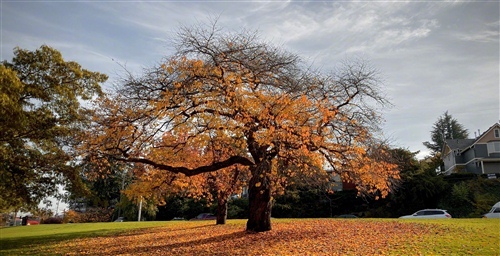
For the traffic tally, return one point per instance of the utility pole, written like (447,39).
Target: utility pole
(121,192)
(140,209)
(57,207)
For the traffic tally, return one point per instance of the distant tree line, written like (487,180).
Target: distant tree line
(464,195)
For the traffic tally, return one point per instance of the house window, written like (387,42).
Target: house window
(494,147)
(497,133)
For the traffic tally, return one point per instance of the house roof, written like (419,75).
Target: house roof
(464,144)
(496,125)
(459,143)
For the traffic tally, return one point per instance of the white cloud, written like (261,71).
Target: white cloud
(489,34)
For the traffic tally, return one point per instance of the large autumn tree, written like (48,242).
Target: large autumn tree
(260,101)
(40,114)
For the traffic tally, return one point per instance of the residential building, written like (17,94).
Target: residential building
(480,155)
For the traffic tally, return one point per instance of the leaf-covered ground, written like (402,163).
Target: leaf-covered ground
(305,237)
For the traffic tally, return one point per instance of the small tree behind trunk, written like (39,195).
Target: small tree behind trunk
(221,210)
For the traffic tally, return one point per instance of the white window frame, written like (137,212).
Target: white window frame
(493,147)
(497,133)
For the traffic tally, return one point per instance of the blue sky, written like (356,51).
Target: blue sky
(432,56)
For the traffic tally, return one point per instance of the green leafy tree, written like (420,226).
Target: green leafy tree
(40,116)
(406,160)
(446,127)
(103,191)
(469,196)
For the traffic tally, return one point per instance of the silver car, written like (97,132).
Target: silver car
(428,214)
(494,212)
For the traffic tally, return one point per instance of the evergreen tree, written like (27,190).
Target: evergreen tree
(446,127)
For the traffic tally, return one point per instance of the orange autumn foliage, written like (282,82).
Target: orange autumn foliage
(156,185)
(227,100)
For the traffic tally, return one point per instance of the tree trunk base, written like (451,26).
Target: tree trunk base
(221,211)
(259,197)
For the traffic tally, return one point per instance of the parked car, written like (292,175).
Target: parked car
(428,214)
(17,222)
(32,222)
(494,212)
(29,221)
(205,216)
(347,216)
(120,219)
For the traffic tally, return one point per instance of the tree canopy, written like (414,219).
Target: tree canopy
(40,114)
(446,127)
(259,103)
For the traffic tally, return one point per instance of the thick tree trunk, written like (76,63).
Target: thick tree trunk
(221,210)
(259,196)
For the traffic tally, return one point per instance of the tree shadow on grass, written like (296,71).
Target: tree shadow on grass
(13,244)
(33,241)
(195,227)
(238,240)
(171,248)
(17,243)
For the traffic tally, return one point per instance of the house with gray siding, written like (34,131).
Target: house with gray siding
(480,155)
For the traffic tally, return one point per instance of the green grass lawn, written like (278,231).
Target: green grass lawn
(432,237)
(464,237)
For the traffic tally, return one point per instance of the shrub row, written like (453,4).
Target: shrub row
(91,215)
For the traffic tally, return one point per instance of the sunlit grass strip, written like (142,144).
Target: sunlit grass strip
(462,237)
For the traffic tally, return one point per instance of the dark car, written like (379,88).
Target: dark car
(120,219)
(347,216)
(205,216)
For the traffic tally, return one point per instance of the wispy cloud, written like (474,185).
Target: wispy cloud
(490,33)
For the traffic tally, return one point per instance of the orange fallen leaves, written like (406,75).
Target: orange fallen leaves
(288,237)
